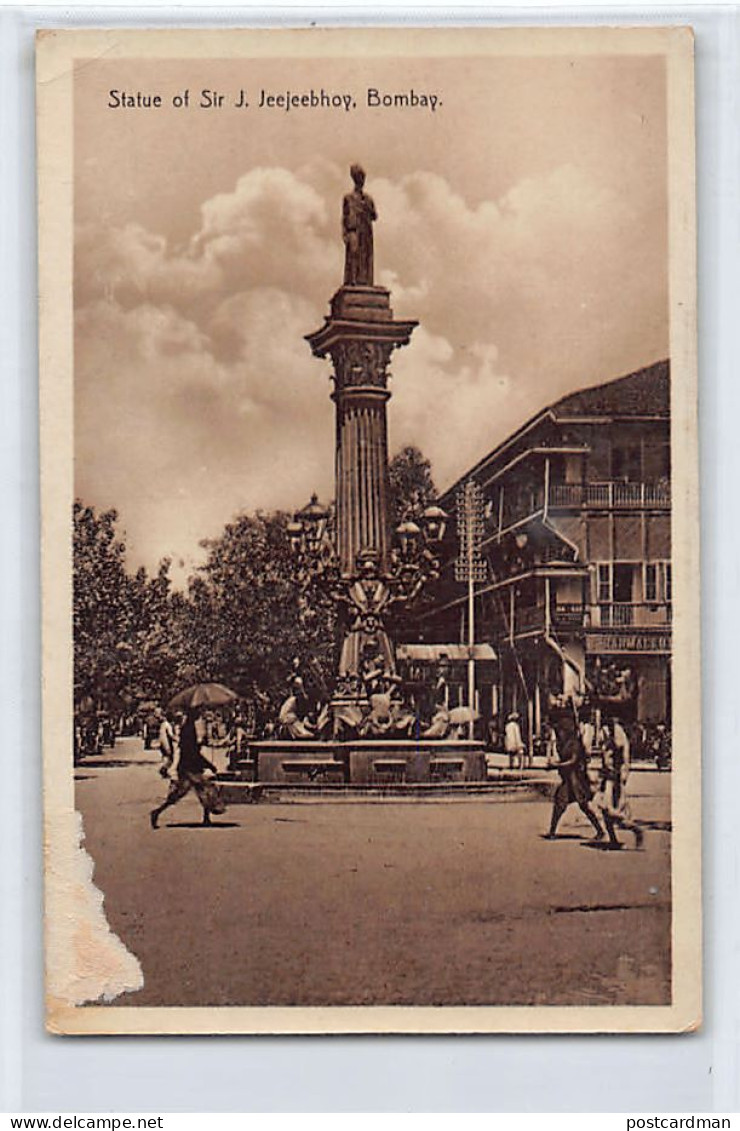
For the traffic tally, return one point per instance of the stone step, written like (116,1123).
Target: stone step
(505,787)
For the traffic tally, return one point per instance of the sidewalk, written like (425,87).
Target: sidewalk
(497,761)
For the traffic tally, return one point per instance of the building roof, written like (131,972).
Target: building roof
(644,393)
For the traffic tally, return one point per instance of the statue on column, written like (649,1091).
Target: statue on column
(358,215)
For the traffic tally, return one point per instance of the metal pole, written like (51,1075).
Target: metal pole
(471,519)
(469,567)
(471,659)
(530,729)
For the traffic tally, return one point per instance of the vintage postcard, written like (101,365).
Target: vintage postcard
(370,530)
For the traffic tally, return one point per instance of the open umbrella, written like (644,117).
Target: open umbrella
(203,695)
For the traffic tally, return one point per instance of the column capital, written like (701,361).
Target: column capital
(361,315)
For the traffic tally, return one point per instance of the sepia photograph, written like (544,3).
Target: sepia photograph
(370,530)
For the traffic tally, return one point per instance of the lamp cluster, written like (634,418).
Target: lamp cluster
(312,541)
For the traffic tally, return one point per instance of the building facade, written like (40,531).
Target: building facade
(577,540)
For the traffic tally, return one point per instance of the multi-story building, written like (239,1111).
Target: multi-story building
(577,537)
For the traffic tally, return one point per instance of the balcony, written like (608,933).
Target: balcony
(563,617)
(631,614)
(567,617)
(526,500)
(611,496)
(520,503)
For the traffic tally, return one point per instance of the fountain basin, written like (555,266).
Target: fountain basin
(371,761)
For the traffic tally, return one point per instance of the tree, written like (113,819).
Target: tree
(125,643)
(411,485)
(248,616)
(244,619)
(156,661)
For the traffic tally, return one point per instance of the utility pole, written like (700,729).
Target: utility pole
(470,567)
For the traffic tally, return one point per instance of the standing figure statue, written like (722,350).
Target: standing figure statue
(368,598)
(358,214)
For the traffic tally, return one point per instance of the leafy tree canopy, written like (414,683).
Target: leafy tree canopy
(248,615)
(122,623)
(411,484)
(243,621)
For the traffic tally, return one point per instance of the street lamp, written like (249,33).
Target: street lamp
(309,524)
(408,535)
(434,522)
(294,531)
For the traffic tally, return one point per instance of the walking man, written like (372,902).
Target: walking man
(575,787)
(192,768)
(166,746)
(513,744)
(612,796)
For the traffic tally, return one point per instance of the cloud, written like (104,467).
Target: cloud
(440,394)
(196,394)
(534,257)
(271,218)
(177,438)
(131,266)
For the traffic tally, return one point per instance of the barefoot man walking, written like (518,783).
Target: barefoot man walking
(192,768)
(575,786)
(612,796)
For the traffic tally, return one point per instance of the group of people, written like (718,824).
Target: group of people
(570,738)
(573,738)
(91,733)
(606,807)
(610,680)
(96,727)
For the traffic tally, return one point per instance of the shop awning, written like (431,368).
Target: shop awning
(431,652)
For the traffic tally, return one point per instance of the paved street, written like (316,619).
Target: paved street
(376,902)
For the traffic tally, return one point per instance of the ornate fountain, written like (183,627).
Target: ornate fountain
(366,734)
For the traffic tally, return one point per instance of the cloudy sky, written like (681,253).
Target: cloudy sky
(523,224)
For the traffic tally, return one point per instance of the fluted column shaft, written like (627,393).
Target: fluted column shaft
(361,474)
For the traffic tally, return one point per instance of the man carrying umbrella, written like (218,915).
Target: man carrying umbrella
(192,766)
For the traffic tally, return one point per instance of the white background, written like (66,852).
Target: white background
(696,1072)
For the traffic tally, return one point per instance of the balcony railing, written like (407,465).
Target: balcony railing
(527,500)
(531,618)
(566,617)
(611,495)
(631,614)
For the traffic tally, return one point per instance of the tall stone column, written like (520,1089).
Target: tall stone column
(360,335)
(361,475)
